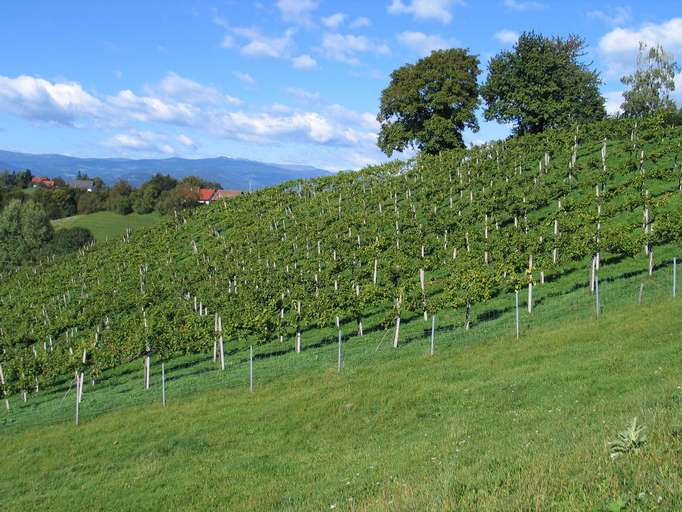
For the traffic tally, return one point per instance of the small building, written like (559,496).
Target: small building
(42,181)
(208,195)
(88,185)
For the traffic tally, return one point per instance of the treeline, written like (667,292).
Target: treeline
(160,193)
(539,84)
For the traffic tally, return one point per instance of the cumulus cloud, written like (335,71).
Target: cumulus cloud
(523,5)
(507,37)
(297,11)
(361,22)
(302,94)
(149,108)
(422,44)
(334,21)
(620,46)
(141,142)
(303,62)
(257,44)
(619,16)
(175,87)
(437,10)
(40,99)
(614,99)
(346,47)
(176,101)
(243,77)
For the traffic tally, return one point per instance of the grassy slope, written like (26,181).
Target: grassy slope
(495,425)
(105,225)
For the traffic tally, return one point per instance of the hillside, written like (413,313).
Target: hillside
(577,225)
(490,425)
(231,173)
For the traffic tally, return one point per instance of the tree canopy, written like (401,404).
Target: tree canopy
(541,84)
(427,105)
(651,83)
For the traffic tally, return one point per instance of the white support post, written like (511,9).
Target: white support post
(4,391)
(221,347)
(77,399)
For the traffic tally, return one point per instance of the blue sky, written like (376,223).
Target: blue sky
(288,81)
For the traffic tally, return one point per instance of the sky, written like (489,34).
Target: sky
(285,81)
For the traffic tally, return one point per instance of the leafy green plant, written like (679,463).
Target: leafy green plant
(630,440)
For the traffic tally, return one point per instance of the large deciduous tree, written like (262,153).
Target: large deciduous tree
(24,228)
(651,83)
(427,105)
(542,84)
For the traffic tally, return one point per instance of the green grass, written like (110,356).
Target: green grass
(109,225)
(487,423)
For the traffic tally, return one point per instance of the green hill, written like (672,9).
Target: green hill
(461,235)
(107,225)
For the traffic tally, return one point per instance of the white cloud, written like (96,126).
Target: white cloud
(259,45)
(620,16)
(36,98)
(304,62)
(176,101)
(614,99)
(334,21)
(227,42)
(185,141)
(507,37)
(620,46)
(422,44)
(345,48)
(175,87)
(297,11)
(243,77)
(141,142)
(361,22)
(302,94)
(149,108)
(438,10)
(523,5)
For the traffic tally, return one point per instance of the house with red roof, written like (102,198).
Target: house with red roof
(42,181)
(208,195)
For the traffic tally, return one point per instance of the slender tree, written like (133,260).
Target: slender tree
(650,85)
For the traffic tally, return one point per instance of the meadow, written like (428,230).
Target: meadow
(108,225)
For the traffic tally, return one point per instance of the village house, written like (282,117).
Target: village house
(88,185)
(41,181)
(208,195)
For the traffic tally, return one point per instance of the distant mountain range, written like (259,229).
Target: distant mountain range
(231,173)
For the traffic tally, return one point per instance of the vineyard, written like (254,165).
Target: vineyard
(457,236)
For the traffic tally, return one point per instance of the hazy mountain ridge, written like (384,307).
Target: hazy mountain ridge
(232,173)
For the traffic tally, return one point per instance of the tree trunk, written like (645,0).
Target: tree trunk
(396,337)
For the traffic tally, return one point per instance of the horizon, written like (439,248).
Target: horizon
(295,82)
(171,157)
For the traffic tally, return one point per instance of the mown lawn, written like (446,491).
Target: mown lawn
(496,425)
(108,225)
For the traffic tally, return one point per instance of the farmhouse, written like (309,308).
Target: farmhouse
(88,185)
(208,195)
(38,181)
